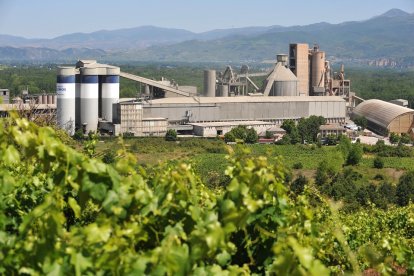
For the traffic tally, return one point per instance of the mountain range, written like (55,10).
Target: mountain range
(388,36)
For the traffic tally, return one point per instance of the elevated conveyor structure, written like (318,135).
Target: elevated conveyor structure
(154,84)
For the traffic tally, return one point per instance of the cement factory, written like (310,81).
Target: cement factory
(299,85)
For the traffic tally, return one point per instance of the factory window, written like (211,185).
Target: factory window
(219,132)
(4,93)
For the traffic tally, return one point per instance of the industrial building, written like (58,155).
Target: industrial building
(297,86)
(384,117)
(181,110)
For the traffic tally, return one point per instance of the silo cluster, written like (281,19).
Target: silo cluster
(86,94)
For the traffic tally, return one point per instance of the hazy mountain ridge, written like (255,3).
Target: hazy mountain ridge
(386,36)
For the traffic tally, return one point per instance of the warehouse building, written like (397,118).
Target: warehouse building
(182,110)
(384,117)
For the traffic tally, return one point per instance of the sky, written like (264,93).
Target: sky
(51,18)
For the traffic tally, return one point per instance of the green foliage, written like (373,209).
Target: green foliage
(308,128)
(171,135)
(355,154)
(251,136)
(268,135)
(229,137)
(78,136)
(298,185)
(109,157)
(325,173)
(361,121)
(298,166)
(405,189)
(62,212)
(378,163)
(405,138)
(242,133)
(394,138)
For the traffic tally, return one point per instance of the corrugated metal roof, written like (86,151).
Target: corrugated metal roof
(380,112)
(243,99)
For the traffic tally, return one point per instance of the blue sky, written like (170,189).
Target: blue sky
(51,18)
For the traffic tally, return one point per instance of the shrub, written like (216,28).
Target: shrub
(171,135)
(298,166)
(378,163)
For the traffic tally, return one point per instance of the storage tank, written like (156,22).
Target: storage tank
(54,98)
(89,93)
(222,91)
(49,98)
(282,81)
(318,69)
(209,83)
(65,90)
(110,92)
(44,99)
(77,100)
(39,99)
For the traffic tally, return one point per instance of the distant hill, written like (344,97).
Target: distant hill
(388,36)
(381,36)
(31,54)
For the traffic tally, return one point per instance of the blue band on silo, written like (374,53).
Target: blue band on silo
(89,79)
(65,79)
(78,78)
(110,79)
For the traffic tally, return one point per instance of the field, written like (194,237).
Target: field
(208,156)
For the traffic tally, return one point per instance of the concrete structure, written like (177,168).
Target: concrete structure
(400,102)
(109,92)
(317,71)
(299,64)
(244,108)
(281,81)
(4,96)
(331,129)
(209,83)
(214,129)
(130,118)
(89,93)
(384,117)
(65,89)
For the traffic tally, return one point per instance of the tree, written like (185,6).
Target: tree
(378,163)
(309,128)
(361,121)
(229,137)
(355,155)
(394,138)
(292,134)
(344,146)
(268,135)
(324,173)
(298,185)
(405,189)
(251,136)
(405,138)
(171,135)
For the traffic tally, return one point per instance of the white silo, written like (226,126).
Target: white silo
(89,93)
(110,92)
(65,90)
(209,83)
(77,100)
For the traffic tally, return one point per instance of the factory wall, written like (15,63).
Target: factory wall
(333,111)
